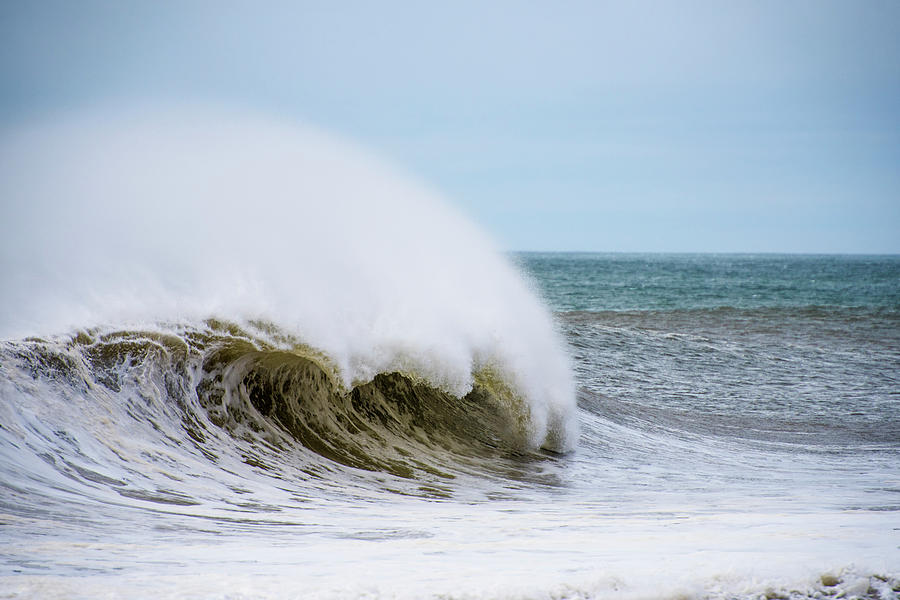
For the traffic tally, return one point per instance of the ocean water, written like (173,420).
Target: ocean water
(227,372)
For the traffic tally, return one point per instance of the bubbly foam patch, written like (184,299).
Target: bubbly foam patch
(183,214)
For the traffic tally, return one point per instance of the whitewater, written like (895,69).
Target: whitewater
(241,358)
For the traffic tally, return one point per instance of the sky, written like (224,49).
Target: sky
(765,126)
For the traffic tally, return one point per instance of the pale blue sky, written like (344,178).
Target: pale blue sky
(632,126)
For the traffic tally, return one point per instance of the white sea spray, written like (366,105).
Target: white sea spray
(134,217)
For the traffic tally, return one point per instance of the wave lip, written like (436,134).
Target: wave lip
(132,218)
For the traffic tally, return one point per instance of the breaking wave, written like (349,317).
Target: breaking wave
(266,393)
(292,286)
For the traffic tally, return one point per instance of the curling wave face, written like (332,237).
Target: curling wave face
(216,388)
(134,221)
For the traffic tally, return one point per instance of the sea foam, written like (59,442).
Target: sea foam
(179,214)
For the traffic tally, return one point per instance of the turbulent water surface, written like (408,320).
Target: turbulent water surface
(357,420)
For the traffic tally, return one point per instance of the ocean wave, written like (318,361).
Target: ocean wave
(269,396)
(127,219)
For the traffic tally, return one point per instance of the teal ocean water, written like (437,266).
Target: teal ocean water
(647,282)
(808,342)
